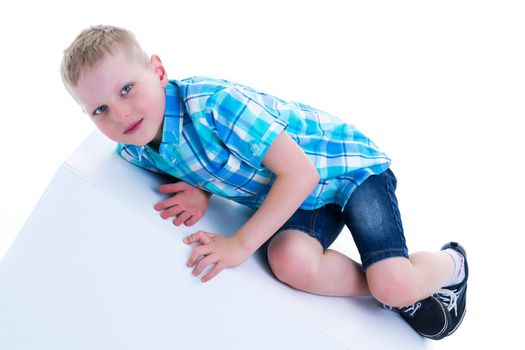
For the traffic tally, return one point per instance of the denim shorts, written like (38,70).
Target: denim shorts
(371,214)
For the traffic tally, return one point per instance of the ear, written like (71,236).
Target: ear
(158,68)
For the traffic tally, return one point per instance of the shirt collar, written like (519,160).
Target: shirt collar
(173,116)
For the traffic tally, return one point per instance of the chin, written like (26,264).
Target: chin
(136,140)
(132,142)
(140,140)
(140,143)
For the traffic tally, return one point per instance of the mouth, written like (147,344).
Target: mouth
(133,127)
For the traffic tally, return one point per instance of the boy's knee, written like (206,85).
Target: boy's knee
(292,264)
(397,289)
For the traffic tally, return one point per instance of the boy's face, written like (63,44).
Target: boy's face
(125,98)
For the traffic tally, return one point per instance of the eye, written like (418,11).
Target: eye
(126,89)
(100,110)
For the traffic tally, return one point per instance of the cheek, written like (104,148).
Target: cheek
(152,102)
(108,129)
(142,103)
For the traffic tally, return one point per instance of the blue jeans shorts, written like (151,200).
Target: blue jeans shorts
(371,214)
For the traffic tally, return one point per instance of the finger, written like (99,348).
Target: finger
(169,202)
(196,253)
(214,272)
(182,217)
(174,187)
(172,212)
(202,263)
(199,237)
(192,220)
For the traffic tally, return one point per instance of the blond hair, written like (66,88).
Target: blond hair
(92,45)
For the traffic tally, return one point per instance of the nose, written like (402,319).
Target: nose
(121,112)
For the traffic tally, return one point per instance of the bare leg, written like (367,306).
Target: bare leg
(402,282)
(298,260)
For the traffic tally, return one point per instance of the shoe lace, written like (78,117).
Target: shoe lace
(386,307)
(411,310)
(449,297)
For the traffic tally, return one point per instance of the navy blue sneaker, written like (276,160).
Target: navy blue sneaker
(455,297)
(428,317)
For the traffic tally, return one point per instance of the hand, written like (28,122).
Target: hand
(222,251)
(187,206)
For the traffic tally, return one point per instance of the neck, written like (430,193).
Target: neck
(155,143)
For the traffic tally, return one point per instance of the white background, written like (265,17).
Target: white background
(439,86)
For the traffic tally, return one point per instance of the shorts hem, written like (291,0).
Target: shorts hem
(382,255)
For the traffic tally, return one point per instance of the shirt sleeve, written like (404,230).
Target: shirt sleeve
(132,155)
(246,122)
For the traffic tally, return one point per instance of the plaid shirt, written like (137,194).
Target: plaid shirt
(216,134)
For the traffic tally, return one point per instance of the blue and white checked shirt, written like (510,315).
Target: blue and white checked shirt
(216,134)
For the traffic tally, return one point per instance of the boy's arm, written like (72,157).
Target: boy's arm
(296,177)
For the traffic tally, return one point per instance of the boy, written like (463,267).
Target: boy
(306,172)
